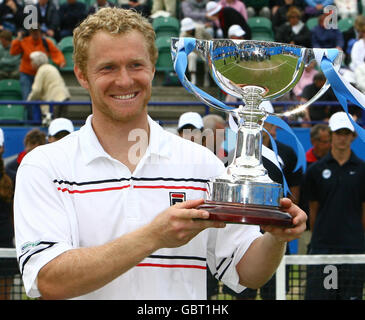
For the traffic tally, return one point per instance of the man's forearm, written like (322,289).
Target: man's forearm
(260,261)
(80,271)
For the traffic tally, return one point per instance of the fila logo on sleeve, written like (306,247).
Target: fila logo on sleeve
(176,197)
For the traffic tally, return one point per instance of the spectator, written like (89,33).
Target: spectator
(280,17)
(326,38)
(321,143)
(337,213)
(195,9)
(71,14)
(258,8)
(9,65)
(48,83)
(141,6)
(224,17)
(189,28)
(32,139)
(306,79)
(11,16)
(294,31)
(320,137)
(352,35)
(318,112)
(346,8)
(315,7)
(99,4)
(237,5)
(190,126)
(214,128)
(25,46)
(8,266)
(358,50)
(48,18)
(59,128)
(168,6)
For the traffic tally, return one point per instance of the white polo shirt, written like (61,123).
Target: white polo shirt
(72,194)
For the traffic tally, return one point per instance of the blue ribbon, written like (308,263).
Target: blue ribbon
(180,65)
(340,90)
(286,189)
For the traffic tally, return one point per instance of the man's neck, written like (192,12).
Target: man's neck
(341,156)
(124,141)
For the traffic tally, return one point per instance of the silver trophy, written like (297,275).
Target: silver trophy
(252,71)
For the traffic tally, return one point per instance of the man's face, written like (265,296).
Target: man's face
(342,139)
(322,145)
(35,34)
(119,76)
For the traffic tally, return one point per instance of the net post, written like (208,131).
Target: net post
(280,280)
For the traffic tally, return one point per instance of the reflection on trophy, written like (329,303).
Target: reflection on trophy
(253,71)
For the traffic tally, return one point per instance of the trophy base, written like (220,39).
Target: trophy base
(247,214)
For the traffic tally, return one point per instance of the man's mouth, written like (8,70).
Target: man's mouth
(125,96)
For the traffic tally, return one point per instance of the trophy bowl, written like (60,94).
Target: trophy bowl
(252,71)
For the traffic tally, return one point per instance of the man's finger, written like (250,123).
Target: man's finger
(189,204)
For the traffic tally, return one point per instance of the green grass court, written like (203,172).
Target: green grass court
(274,74)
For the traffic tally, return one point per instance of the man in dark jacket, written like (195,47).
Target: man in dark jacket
(71,14)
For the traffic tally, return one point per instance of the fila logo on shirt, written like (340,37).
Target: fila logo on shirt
(176,197)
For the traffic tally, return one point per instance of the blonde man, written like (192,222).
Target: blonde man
(48,83)
(116,200)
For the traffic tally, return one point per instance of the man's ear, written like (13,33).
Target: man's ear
(81,78)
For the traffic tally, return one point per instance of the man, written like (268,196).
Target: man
(48,84)
(117,218)
(190,126)
(337,212)
(9,65)
(320,136)
(71,14)
(48,18)
(59,128)
(25,45)
(318,112)
(32,139)
(225,17)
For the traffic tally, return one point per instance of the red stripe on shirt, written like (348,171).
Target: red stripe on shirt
(92,190)
(171,187)
(171,265)
(127,186)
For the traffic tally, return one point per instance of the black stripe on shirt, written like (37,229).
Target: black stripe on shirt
(177,257)
(50,244)
(128,179)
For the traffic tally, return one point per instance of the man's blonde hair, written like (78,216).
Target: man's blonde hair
(115,21)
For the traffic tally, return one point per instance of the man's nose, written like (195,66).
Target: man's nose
(124,78)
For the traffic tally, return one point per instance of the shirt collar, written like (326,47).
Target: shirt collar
(91,149)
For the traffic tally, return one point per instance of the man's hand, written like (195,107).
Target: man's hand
(180,223)
(299,221)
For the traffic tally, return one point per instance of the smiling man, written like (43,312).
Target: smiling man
(94,223)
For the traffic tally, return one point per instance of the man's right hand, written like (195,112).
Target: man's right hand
(180,223)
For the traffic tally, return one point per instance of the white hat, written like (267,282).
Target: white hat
(1,137)
(340,120)
(60,124)
(192,118)
(187,24)
(213,8)
(236,31)
(267,106)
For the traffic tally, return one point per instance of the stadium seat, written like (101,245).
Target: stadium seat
(66,46)
(312,22)
(345,24)
(12,112)
(166,26)
(261,28)
(164,62)
(10,89)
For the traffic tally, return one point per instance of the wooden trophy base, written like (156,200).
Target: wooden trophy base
(247,214)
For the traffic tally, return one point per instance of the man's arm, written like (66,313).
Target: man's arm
(79,271)
(265,253)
